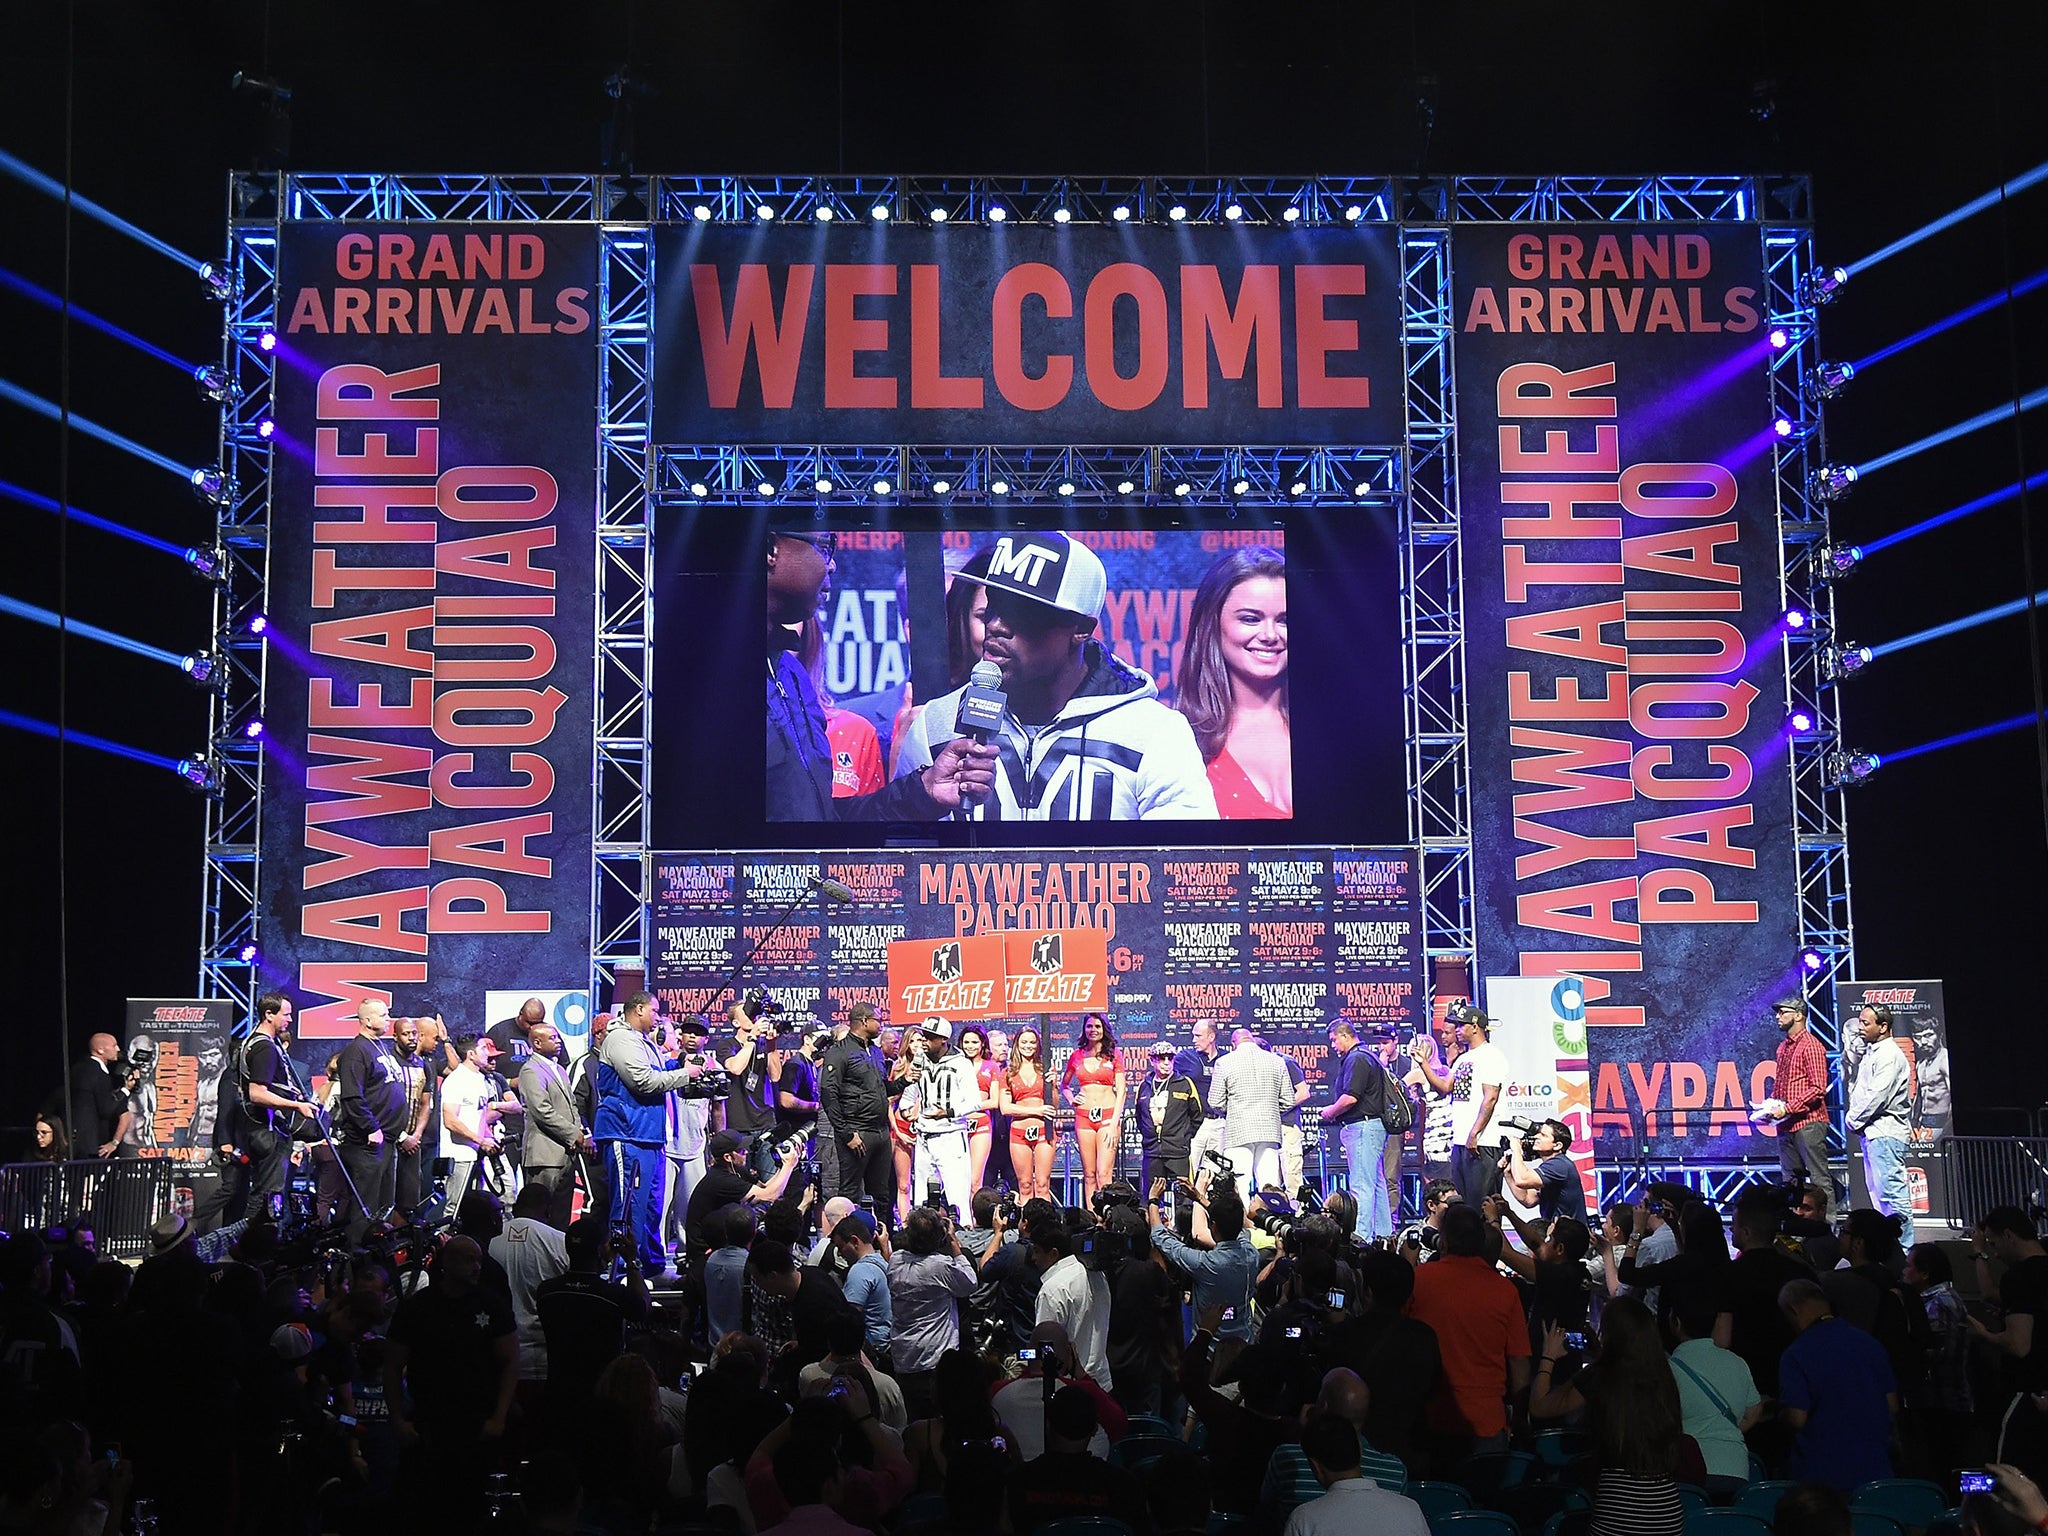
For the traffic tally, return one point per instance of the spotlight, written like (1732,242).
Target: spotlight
(199,666)
(1783,426)
(1298,488)
(1797,618)
(214,383)
(999,487)
(216,279)
(1063,215)
(246,954)
(267,341)
(822,486)
(1845,770)
(882,488)
(1177,212)
(208,484)
(701,213)
(1121,212)
(200,775)
(1818,288)
(1240,486)
(699,489)
(1064,488)
(1125,487)
(997,213)
(266,429)
(1353,214)
(1827,380)
(212,564)
(1831,482)
(1832,562)
(259,624)
(253,730)
(1780,338)
(1233,212)
(1811,959)
(766,488)
(764,213)
(1291,214)
(938,215)
(1839,663)
(1799,722)
(824,213)
(941,487)
(1362,490)
(1182,488)
(879,213)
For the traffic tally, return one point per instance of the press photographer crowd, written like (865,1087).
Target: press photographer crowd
(744,1280)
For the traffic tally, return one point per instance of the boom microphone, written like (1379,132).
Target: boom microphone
(982,707)
(831,890)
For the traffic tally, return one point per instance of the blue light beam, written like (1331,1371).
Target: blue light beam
(80,739)
(86,317)
(28,402)
(1968,312)
(105,525)
(2017,722)
(1982,419)
(1957,626)
(1974,206)
(43,616)
(29,176)
(1940,519)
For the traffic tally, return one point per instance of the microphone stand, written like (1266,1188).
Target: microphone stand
(782,920)
(320,1121)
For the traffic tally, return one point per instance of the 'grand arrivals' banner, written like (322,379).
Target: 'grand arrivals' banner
(427,801)
(1630,805)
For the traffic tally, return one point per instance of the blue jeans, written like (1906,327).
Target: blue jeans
(1365,1145)
(1884,1170)
(638,1173)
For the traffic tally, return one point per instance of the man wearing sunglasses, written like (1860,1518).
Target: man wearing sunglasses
(799,765)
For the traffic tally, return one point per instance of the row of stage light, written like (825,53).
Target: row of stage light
(997,213)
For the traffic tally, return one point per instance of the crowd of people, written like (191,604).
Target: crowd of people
(817,1283)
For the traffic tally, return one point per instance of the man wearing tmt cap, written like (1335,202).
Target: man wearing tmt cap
(1083,735)
(948,1093)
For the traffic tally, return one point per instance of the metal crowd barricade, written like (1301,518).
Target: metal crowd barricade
(121,1197)
(1982,1172)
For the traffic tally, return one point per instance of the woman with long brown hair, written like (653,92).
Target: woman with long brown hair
(1232,684)
(973,1044)
(1024,1104)
(1094,1084)
(1638,1428)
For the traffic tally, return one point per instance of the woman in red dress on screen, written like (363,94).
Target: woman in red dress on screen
(1024,1106)
(1233,684)
(973,1043)
(1094,1084)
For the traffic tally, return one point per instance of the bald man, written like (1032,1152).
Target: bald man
(451,1366)
(373,1114)
(1291,1481)
(100,1116)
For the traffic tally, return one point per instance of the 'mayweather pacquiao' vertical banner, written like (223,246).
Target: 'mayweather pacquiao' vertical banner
(427,810)
(1630,811)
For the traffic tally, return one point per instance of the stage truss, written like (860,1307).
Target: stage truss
(635,477)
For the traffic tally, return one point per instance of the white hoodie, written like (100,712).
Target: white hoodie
(1114,753)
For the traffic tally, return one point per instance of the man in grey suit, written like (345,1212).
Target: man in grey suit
(1250,1088)
(555,1135)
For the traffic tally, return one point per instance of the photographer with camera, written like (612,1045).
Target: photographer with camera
(854,1097)
(1423,1241)
(1221,1275)
(1074,1293)
(727,1181)
(750,1091)
(1540,1174)
(928,1277)
(267,1114)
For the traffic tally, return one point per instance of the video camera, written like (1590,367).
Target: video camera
(1116,1192)
(757,1004)
(1526,1127)
(1276,1216)
(1006,1204)
(1099,1248)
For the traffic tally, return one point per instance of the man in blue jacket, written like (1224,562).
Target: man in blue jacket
(633,1085)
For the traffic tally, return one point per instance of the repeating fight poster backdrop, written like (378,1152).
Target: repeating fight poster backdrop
(1284,939)
(1920,1027)
(1630,799)
(428,705)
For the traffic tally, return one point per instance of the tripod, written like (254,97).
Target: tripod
(320,1119)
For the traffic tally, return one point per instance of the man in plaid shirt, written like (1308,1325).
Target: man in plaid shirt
(1802,1084)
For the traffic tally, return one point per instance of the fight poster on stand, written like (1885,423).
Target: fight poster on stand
(428,690)
(178,1052)
(1282,939)
(1630,800)
(1920,1028)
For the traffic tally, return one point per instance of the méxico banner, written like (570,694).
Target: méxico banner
(1630,800)
(999,333)
(1920,1027)
(1539,1023)
(428,709)
(1282,939)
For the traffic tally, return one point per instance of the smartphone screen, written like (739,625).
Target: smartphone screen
(1337,1300)
(1978,1482)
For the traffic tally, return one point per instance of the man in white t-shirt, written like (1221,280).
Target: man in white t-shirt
(530,1251)
(466,1129)
(1474,1084)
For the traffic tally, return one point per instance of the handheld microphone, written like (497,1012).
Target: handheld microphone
(831,890)
(982,707)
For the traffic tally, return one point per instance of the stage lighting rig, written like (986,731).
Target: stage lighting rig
(1846,770)
(1291,214)
(1823,287)
(1839,663)
(1835,562)
(215,385)
(247,954)
(207,669)
(218,281)
(942,487)
(210,563)
(1121,213)
(1827,381)
(202,776)
(1831,482)
(208,484)
(1126,487)
(1178,212)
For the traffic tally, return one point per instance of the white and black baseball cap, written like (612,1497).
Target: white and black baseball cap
(1050,568)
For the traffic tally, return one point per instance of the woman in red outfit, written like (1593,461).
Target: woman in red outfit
(1023,1103)
(1233,684)
(1094,1084)
(973,1045)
